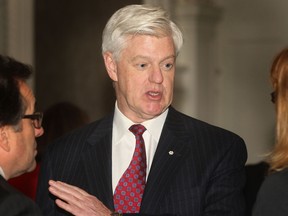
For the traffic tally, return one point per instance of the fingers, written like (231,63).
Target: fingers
(76,201)
(65,206)
(66,187)
(67,192)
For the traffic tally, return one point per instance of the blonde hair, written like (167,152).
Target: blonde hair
(279,77)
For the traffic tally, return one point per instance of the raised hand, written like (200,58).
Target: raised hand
(77,201)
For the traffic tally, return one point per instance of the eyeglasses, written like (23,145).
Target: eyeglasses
(36,118)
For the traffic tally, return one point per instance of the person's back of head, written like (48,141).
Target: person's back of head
(11,102)
(19,123)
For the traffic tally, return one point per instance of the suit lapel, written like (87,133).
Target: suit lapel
(98,163)
(170,154)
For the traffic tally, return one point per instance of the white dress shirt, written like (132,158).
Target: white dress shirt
(123,142)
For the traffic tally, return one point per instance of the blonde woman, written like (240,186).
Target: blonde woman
(273,195)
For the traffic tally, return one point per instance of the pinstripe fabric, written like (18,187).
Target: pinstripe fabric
(13,203)
(198,169)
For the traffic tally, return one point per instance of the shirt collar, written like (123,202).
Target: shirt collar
(121,123)
(2,173)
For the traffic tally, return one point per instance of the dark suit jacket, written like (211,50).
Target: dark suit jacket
(204,176)
(13,203)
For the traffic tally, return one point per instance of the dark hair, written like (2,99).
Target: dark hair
(12,106)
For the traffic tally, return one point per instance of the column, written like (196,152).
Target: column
(196,79)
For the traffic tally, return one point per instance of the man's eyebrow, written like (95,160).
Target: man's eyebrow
(147,57)
(168,57)
(138,57)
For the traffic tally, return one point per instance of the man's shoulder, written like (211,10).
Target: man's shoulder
(5,188)
(278,178)
(12,201)
(196,125)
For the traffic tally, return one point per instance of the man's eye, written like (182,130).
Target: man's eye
(142,66)
(167,66)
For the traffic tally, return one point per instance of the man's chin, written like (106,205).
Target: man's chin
(152,113)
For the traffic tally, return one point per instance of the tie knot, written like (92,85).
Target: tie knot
(137,129)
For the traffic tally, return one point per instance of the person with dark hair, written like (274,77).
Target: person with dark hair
(19,125)
(146,158)
(272,198)
(60,118)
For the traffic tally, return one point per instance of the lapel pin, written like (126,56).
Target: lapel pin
(171,152)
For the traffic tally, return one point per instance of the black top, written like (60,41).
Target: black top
(272,198)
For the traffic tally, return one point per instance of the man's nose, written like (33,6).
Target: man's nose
(156,75)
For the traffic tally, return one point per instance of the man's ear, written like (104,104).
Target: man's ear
(4,141)
(110,65)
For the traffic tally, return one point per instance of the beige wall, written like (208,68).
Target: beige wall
(222,73)
(250,35)
(68,54)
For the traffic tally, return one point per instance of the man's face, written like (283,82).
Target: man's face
(144,76)
(22,143)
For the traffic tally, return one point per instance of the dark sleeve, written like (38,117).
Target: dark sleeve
(16,204)
(272,199)
(225,188)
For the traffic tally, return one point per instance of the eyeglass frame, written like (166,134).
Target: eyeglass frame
(36,118)
(273,96)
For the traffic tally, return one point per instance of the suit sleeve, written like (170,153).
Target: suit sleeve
(225,188)
(16,204)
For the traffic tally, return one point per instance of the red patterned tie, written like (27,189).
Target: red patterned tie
(129,191)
